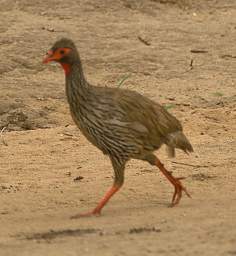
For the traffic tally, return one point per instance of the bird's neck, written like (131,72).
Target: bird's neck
(77,88)
(75,75)
(67,68)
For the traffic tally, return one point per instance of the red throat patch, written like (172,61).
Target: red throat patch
(66,67)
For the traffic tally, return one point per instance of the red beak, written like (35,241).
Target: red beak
(49,57)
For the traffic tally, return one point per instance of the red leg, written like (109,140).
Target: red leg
(101,204)
(119,167)
(176,182)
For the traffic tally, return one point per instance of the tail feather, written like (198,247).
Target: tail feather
(178,140)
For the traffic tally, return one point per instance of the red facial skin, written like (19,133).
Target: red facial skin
(56,56)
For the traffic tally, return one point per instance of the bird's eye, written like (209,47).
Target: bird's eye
(62,52)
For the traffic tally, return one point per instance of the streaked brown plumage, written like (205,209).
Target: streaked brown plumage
(123,124)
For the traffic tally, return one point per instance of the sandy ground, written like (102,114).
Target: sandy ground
(180,54)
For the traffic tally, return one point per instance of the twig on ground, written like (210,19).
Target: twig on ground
(191,64)
(225,56)
(143,41)
(123,79)
(198,51)
(2,138)
(193,165)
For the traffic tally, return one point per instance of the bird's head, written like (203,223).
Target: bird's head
(63,51)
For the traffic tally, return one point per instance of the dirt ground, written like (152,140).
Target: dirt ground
(179,53)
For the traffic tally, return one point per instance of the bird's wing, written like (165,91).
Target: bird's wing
(146,115)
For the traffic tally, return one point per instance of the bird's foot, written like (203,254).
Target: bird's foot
(93,213)
(176,182)
(178,190)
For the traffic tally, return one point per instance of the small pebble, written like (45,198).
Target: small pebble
(78,178)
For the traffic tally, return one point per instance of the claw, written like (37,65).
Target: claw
(178,191)
(181,178)
(97,210)
(176,182)
(88,214)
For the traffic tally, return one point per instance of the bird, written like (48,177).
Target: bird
(122,123)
